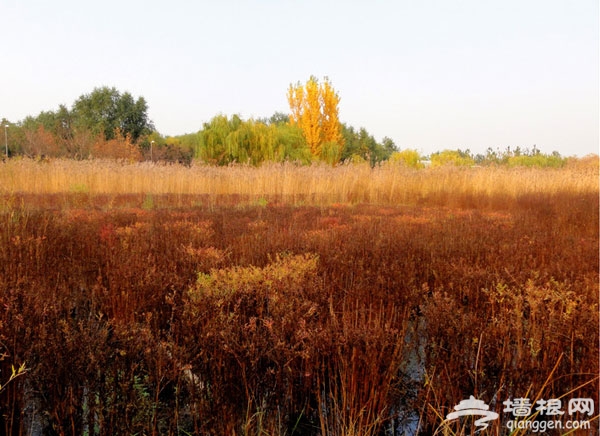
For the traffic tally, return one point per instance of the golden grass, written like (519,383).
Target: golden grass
(316,184)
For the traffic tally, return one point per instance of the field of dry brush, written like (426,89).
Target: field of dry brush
(291,300)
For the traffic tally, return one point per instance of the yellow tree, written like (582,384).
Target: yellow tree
(314,108)
(330,121)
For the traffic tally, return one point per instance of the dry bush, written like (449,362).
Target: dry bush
(119,147)
(40,142)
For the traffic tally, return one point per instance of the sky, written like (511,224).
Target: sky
(429,74)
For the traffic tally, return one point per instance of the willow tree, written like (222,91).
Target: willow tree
(314,108)
(225,140)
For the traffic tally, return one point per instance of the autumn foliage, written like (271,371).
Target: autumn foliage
(314,108)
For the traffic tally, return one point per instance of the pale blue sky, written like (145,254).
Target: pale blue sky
(429,74)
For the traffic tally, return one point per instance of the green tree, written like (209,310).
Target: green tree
(290,139)
(452,157)
(277,118)
(389,146)
(361,146)
(354,149)
(537,159)
(408,157)
(225,140)
(213,139)
(106,111)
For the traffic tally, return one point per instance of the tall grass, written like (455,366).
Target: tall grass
(317,184)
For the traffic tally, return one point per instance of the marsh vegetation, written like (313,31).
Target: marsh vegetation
(310,300)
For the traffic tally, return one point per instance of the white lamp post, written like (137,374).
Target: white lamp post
(6,139)
(151,144)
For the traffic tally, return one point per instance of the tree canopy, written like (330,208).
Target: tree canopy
(314,108)
(106,111)
(224,140)
(103,123)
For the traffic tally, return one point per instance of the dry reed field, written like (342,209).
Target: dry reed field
(286,300)
(292,184)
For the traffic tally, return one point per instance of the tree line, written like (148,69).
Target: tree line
(103,123)
(511,157)
(107,123)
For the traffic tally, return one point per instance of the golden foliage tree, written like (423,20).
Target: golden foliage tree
(314,108)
